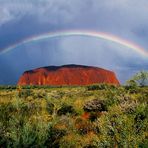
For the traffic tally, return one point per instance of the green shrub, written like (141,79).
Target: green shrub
(50,107)
(96,87)
(112,101)
(141,112)
(54,137)
(101,87)
(66,109)
(24,93)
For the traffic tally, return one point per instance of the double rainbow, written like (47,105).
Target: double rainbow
(104,36)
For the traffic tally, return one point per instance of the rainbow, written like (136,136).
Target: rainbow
(100,35)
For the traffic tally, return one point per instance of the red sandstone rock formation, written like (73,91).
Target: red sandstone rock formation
(68,75)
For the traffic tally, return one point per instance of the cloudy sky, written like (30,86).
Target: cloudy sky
(21,19)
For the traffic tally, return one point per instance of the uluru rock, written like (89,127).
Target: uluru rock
(68,75)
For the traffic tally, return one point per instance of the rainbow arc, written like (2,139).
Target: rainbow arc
(101,35)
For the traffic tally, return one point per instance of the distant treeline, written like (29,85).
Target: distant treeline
(90,87)
(5,87)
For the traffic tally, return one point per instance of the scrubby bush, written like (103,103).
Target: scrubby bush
(66,109)
(50,107)
(141,113)
(131,86)
(24,93)
(100,87)
(112,101)
(96,87)
(84,126)
(54,138)
(95,105)
(40,95)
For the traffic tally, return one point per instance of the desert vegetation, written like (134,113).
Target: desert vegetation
(72,117)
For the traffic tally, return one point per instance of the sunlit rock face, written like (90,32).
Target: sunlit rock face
(68,75)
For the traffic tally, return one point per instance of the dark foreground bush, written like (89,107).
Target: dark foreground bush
(50,107)
(66,109)
(96,87)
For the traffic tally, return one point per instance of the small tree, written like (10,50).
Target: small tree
(141,78)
